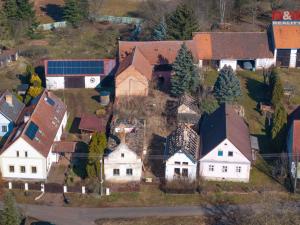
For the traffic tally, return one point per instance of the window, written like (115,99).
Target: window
(26,154)
(122,155)
(185,172)
(177,163)
(177,171)
(224,169)
(129,172)
(230,153)
(238,169)
(116,172)
(185,163)
(220,153)
(18,153)
(211,168)
(33,169)
(4,128)
(11,169)
(22,169)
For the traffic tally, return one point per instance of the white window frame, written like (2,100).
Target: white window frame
(224,169)
(238,169)
(9,168)
(211,168)
(129,174)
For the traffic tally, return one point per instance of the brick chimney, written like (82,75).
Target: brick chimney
(9,99)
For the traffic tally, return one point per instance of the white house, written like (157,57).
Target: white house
(181,154)
(122,165)
(10,110)
(225,152)
(76,73)
(28,154)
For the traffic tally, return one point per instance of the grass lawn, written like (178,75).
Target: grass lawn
(186,220)
(120,7)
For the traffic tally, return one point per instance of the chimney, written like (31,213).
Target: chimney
(9,99)
(122,135)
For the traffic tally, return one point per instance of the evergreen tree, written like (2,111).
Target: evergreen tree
(185,78)
(10,214)
(160,31)
(96,150)
(227,87)
(11,9)
(279,127)
(276,88)
(25,10)
(182,23)
(75,11)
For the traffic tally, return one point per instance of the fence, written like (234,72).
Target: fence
(115,19)
(50,26)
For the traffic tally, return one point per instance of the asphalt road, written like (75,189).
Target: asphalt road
(87,216)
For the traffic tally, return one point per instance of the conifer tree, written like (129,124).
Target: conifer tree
(279,127)
(10,9)
(25,10)
(276,88)
(185,78)
(227,87)
(182,23)
(96,150)
(160,31)
(75,11)
(10,214)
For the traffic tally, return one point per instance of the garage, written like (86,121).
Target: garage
(74,82)
(283,57)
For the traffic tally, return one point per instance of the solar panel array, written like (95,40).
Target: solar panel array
(32,130)
(75,67)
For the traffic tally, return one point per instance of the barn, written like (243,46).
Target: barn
(76,73)
(286,38)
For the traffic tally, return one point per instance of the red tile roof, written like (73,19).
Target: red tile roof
(92,123)
(64,146)
(296,137)
(47,117)
(156,52)
(286,37)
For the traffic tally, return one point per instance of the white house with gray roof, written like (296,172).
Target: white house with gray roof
(181,154)
(10,110)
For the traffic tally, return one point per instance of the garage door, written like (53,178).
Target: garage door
(74,82)
(283,57)
(298,58)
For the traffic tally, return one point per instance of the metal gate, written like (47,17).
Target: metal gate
(74,82)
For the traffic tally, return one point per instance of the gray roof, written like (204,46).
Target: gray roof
(11,112)
(183,139)
(221,124)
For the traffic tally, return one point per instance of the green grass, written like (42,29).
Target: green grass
(120,7)
(210,77)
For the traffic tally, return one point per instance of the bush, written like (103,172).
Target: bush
(100,112)
(180,186)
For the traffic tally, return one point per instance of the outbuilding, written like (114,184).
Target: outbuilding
(77,73)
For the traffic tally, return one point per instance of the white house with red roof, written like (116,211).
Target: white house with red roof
(28,153)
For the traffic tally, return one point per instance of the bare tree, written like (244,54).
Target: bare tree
(95,7)
(222,10)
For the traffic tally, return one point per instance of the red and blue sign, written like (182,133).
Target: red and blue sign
(286,15)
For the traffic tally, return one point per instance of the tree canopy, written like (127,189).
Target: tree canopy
(279,127)
(227,87)
(96,150)
(75,11)
(182,23)
(160,31)
(10,214)
(186,77)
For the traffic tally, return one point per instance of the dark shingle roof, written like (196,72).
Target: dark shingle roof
(221,124)
(13,111)
(183,139)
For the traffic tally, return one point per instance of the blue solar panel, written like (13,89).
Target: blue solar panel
(32,130)
(76,67)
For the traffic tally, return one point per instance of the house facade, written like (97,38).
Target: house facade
(28,153)
(181,154)
(76,73)
(10,110)
(225,152)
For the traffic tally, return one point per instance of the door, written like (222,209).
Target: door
(283,57)
(298,58)
(75,82)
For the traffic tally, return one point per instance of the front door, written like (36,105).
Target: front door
(283,57)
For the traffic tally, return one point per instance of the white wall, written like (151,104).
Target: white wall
(180,157)
(92,81)
(293,58)
(237,159)
(34,158)
(54,83)
(228,62)
(115,161)
(264,63)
